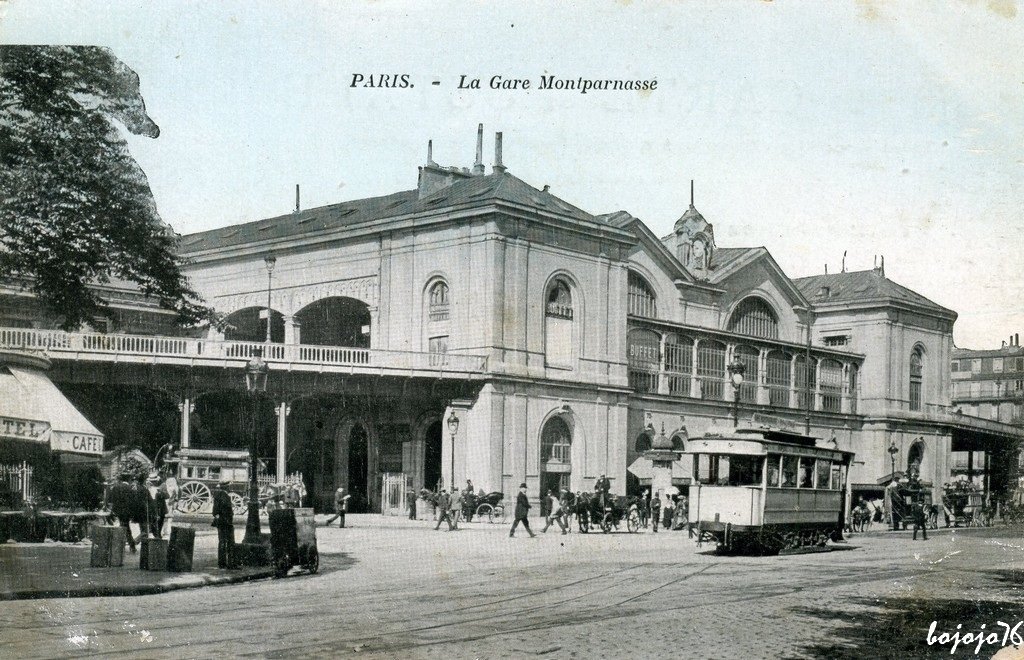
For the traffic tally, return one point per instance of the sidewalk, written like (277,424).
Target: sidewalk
(61,570)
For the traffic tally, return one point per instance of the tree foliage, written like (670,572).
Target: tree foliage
(76,209)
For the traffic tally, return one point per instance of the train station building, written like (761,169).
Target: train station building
(478,327)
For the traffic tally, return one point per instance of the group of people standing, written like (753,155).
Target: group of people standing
(668,511)
(131,501)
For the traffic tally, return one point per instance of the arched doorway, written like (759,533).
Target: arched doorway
(250,324)
(335,321)
(432,442)
(358,469)
(555,456)
(915,456)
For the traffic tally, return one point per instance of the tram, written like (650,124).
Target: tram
(762,490)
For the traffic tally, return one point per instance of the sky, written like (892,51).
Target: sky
(811,128)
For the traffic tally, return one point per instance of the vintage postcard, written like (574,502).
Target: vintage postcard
(501,330)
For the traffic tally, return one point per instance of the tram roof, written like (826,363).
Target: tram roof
(769,434)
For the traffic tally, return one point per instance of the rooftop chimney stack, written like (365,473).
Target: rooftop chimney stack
(430,153)
(498,166)
(1016,339)
(297,207)
(478,166)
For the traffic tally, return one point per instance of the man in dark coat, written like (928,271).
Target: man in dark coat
(121,505)
(603,487)
(522,512)
(223,520)
(656,510)
(443,510)
(340,507)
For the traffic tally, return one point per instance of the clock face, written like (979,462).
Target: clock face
(697,256)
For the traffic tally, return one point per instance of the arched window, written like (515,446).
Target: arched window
(915,456)
(916,377)
(806,378)
(558,324)
(438,308)
(641,300)
(831,385)
(778,377)
(559,300)
(556,442)
(678,364)
(711,369)
(644,359)
(755,318)
(750,358)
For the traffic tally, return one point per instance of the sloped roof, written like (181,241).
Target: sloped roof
(463,193)
(722,257)
(862,285)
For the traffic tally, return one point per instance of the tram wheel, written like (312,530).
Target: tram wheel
(633,522)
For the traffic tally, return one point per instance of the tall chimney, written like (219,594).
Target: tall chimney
(297,198)
(430,152)
(1016,339)
(498,166)
(478,166)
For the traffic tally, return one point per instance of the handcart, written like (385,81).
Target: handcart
(293,541)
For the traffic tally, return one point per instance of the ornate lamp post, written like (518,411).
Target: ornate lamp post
(255,383)
(893,450)
(270,260)
(453,428)
(736,370)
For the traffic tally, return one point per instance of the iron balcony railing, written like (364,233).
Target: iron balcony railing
(57,343)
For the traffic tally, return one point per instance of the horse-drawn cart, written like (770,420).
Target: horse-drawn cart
(199,472)
(490,507)
(607,513)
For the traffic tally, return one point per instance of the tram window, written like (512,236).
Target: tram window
(702,468)
(824,469)
(214,473)
(744,470)
(806,473)
(837,483)
(720,469)
(789,471)
(200,473)
(774,472)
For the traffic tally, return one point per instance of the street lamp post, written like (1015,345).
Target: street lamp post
(453,428)
(255,383)
(893,450)
(736,370)
(270,261)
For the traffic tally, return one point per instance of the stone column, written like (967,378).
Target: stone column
(694,383)
(794,398)
(282,410)
(663,360)
(289,329)
(186,407)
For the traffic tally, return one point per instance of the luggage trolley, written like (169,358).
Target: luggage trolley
(293,541)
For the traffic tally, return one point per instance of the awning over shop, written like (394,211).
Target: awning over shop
(33,409)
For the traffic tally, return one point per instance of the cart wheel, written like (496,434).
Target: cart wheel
(485,511)
(497,514)
(312,561)
(633,522)
(192,497)
(606,523)
(238,505)
(282,565)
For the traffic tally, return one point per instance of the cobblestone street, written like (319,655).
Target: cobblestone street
(391,588)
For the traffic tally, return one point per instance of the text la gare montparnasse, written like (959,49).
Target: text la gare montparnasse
(579,84)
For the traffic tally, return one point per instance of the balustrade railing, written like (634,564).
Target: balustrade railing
(56,342)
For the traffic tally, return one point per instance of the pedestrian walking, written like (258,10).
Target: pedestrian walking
(645,507)
(455,507)
(668,510)
(522,512)
(917,509)
(142,506)
(224,521)
(567,507)
(166,496)
(556,512)
(341,499)
(656,511)
(443,510)
(410,496)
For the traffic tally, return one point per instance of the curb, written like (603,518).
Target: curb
(135,590)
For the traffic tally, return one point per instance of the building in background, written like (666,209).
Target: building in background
(478,327)
(988,384)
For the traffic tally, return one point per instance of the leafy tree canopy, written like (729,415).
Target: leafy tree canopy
(76,209)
